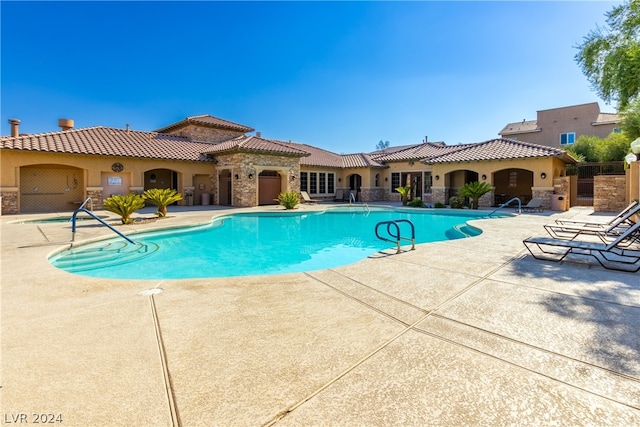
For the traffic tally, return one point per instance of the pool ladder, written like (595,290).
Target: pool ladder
(393,231)
(91,214)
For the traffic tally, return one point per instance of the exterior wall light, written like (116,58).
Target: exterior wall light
(236,176)
(484,177)
(437,177)
(250,176)
(543,175)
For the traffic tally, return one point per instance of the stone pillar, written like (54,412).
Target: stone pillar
(96,197)
(609,193)
(9,196)
(438,194)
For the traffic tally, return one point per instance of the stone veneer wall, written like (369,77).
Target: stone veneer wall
(9,201)
(609,193)
(544,194)
(96,198)
(244,190)
(206,134)
(372,194)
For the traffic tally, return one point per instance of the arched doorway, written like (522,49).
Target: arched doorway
(50,188)
(510,183)
(269,184)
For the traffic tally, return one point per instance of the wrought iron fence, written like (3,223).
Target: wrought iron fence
(586,172)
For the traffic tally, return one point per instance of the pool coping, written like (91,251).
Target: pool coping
(533,341)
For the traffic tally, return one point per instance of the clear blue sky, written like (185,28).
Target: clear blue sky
(338,75)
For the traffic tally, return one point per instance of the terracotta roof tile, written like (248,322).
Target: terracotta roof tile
(360,160)
(323,158)
(207,120)
(106,141)
(413,152)
(498,149)
(253,143)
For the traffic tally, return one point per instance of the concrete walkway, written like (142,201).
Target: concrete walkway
(464,332)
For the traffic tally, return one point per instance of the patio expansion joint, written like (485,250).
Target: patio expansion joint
(521,366)
(169,389)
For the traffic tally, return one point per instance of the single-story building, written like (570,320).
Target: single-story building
(215,161)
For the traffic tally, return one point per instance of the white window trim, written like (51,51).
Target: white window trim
(567,133)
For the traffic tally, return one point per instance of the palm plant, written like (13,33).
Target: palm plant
(475,190)
(124,206)
(404,193)
(161,197)
(288,199)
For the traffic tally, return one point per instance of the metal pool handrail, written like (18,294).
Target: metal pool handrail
(507,203)
(91,214)
(397,235)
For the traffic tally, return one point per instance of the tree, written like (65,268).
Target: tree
(475,190)
(630,123)
(610,56)
(382,145)
(593,149)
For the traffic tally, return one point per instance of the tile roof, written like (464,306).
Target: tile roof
(499,149)
(524,126)
(105,141)
(413,152)
(255,144)
(207,120)
(323,158)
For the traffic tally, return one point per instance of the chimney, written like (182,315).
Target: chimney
(259,134)
(15,123)
(127,128)
(65,124)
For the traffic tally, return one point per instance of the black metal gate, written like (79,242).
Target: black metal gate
(586,172)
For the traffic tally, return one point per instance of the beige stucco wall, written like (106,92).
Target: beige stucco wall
(555,121)
(95,170)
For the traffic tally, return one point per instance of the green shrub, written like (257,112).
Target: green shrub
(404,193)
(439,205)
(475,190)
(124,206)
(288,199)
(456,202)
(416,203)
(161,197)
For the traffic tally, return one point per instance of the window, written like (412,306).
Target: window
(428,182)
(313,182)
(513,179)
(318,182)
(616,130)
(567,138)
(395,181)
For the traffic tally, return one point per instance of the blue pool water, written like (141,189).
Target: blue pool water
(257,244)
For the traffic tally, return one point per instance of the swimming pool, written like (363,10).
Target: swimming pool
(259,243)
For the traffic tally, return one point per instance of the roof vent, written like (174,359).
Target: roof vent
(259,134)
(15,124)
(65,124)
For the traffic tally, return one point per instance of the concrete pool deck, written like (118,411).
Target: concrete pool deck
(463,332)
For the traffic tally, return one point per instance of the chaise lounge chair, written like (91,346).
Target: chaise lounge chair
(534,205)
(605,231)
(339,196)
(307,199)
(622,217)
(614,256)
